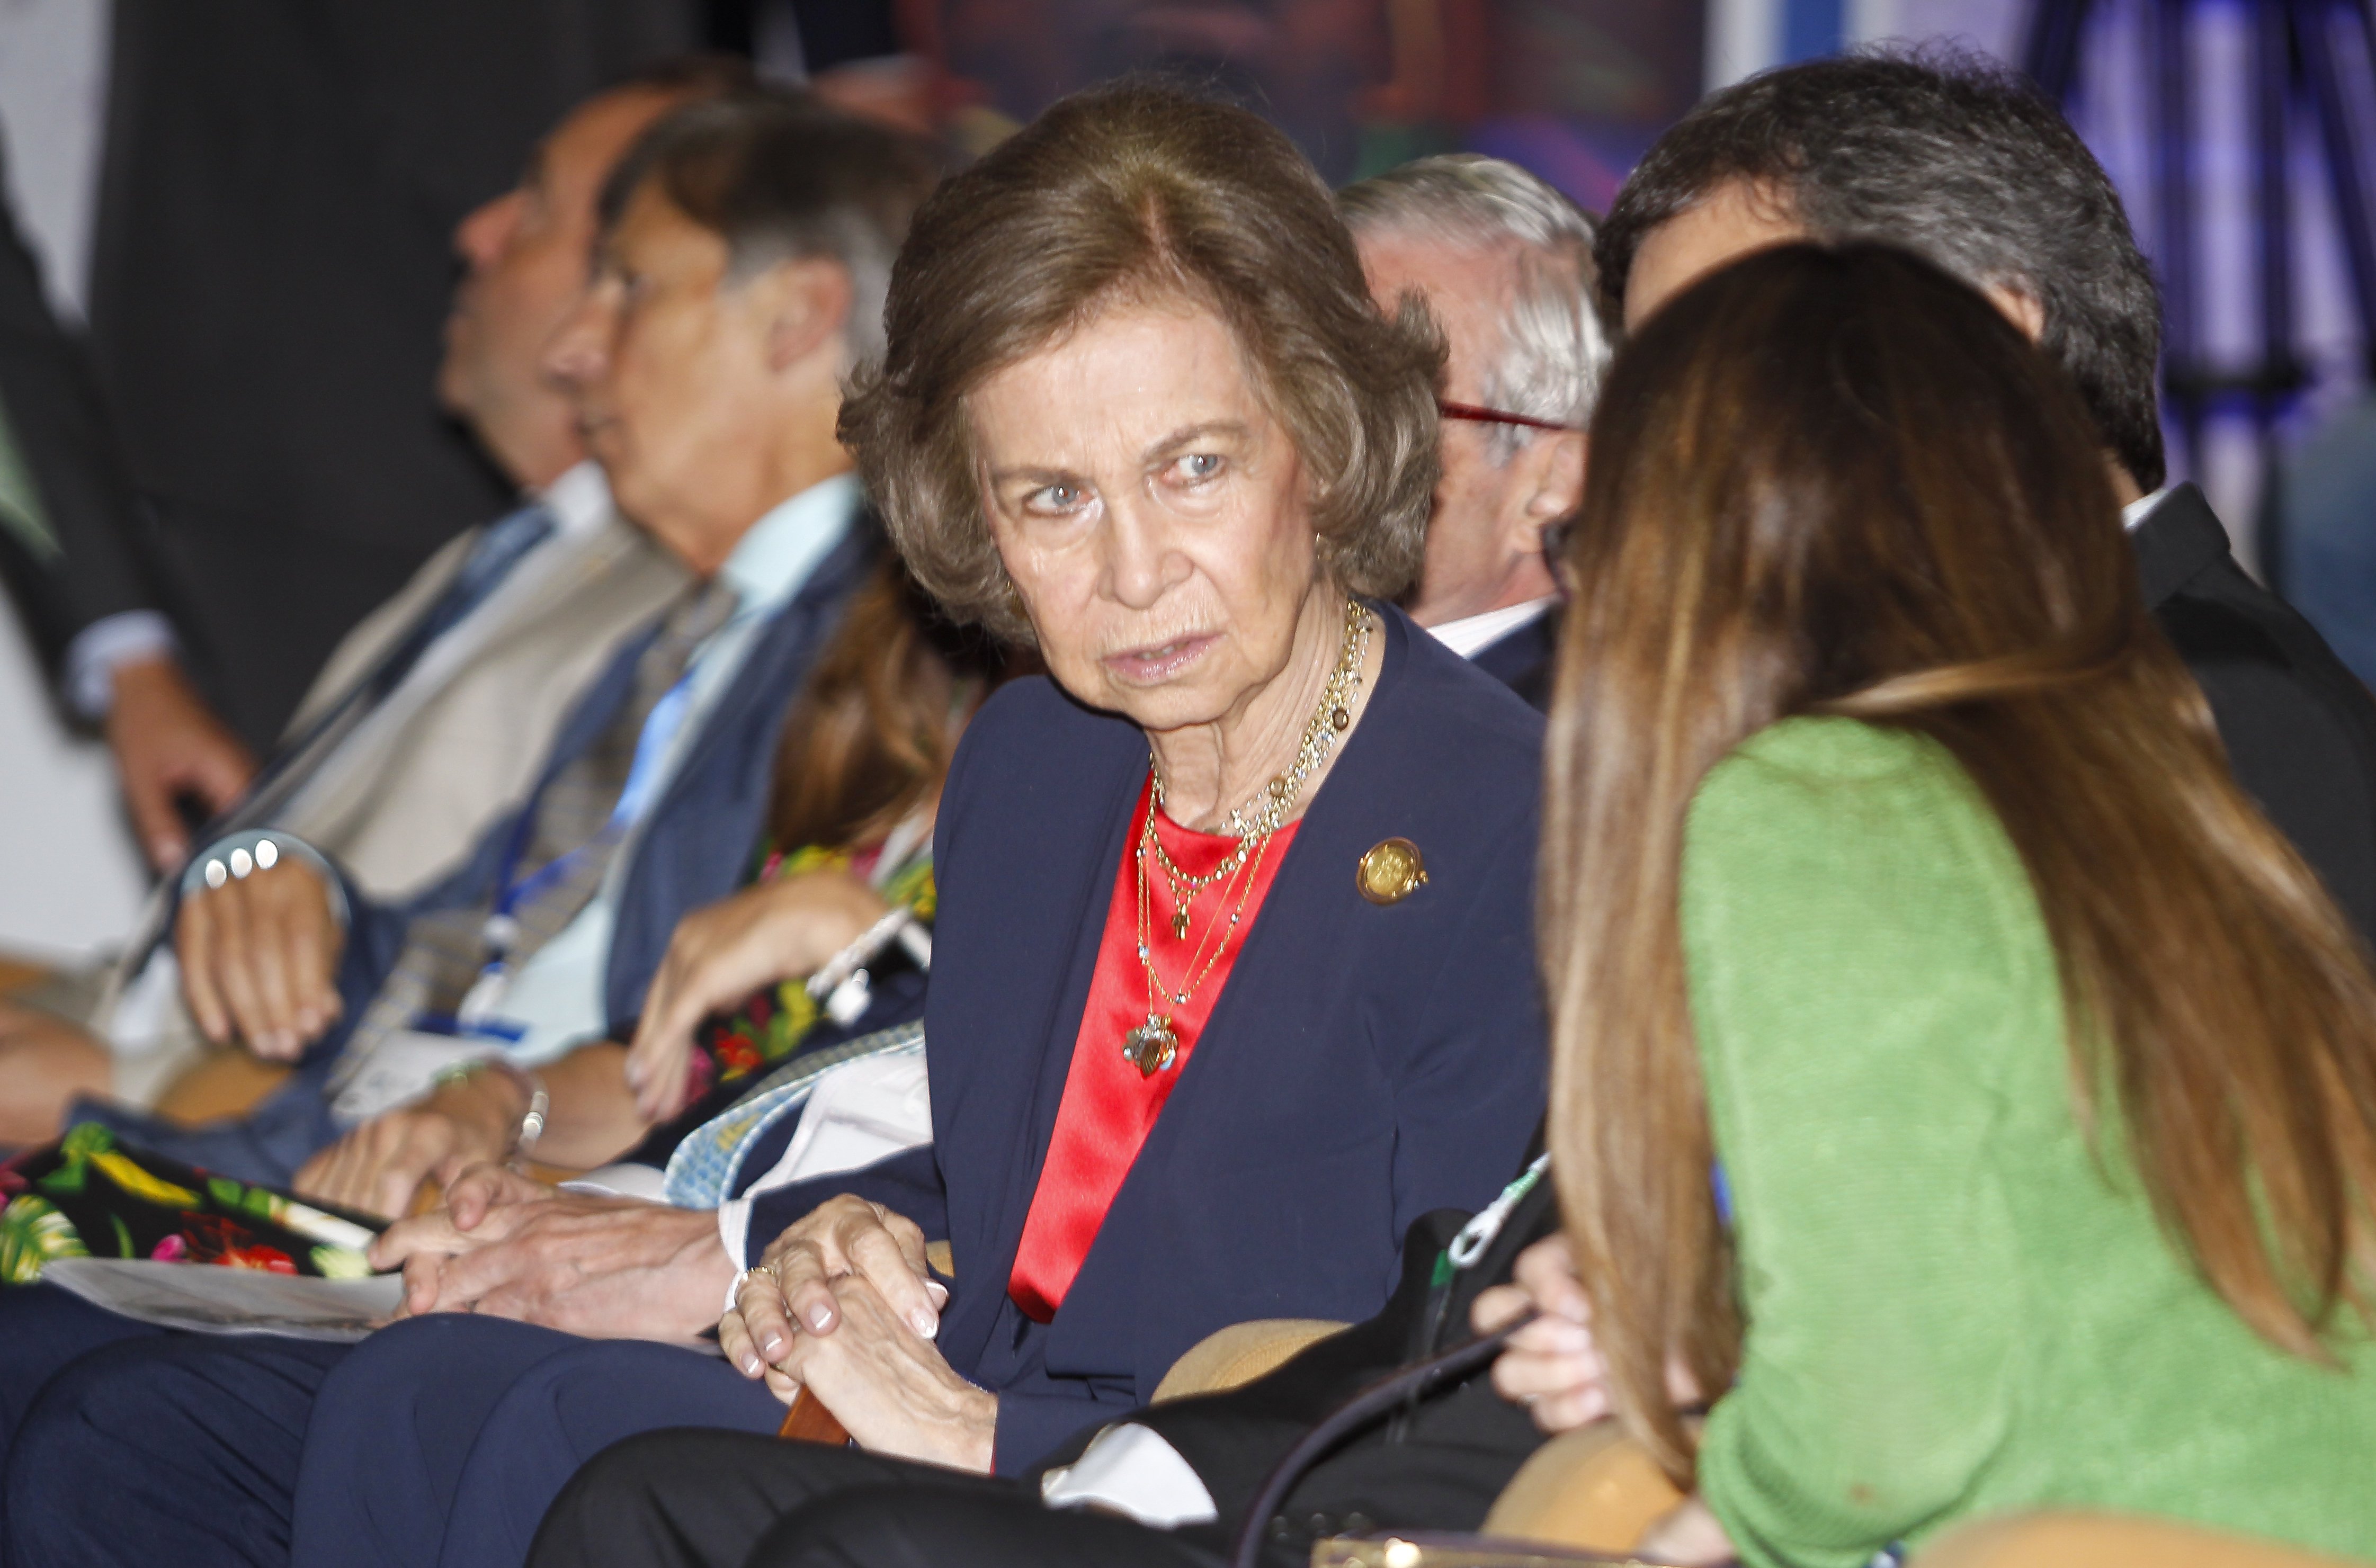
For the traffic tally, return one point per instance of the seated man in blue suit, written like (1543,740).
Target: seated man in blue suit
(710,351)
(1503,263)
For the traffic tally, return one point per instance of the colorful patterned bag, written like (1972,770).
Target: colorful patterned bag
(88,1197)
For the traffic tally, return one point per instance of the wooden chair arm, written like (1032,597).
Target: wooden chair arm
(1239,1354)
(1592,1488)
(225,1082)
(21,974)
(808,1420)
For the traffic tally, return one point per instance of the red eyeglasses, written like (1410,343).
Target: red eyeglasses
(1476,414)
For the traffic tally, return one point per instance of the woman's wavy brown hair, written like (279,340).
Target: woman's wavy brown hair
(1838,483)
(1140,192)
(868,742)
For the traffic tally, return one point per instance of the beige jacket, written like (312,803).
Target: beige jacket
(400,798)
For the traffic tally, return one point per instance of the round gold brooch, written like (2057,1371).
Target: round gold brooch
(1391,871)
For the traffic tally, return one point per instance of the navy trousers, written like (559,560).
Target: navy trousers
(164,1448)
(41,1329)
(443,1441)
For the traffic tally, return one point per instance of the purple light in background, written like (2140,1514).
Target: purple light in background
(1559,152)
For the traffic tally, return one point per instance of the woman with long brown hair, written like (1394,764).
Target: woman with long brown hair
(1893,873)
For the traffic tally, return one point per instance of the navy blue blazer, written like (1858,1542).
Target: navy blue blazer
(1365,1065)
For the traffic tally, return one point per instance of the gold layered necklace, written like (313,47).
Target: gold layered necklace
(1154,1045)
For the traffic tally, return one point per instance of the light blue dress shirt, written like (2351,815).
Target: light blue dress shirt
(558,995)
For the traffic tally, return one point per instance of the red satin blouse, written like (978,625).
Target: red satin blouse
(1108,1107)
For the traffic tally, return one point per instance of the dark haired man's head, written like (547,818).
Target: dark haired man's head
(524,254)
(1944,154)
(743,252)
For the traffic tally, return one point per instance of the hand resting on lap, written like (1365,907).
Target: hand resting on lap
(604,1267)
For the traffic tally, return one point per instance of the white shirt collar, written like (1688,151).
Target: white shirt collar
(771,562)
(2137,511)
(1472,634)
(579,499)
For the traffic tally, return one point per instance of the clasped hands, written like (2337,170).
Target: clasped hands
(585,1262)
(843,1305)
(1554,1368)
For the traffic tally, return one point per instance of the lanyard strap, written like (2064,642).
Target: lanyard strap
(1479,1233)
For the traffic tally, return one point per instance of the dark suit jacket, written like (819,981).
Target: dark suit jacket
(270,267)
(1365,1066)
(1522,661)
(61,425)
(2299,727)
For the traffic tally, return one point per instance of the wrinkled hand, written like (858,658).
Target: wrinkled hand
(721,953)
(484,1206)
(792,1290)
(260,958)
(379,1166)
(1551,1366)
(168,741)
(889,1387)
(585,1263)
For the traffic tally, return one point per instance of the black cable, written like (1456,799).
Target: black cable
(1365,1406)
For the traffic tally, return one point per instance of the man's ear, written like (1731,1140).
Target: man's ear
(1553,481)
(2017,303)
(805,303)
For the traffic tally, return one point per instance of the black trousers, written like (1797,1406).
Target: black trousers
(689,1499)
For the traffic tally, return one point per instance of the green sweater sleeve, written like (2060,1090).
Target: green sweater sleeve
(1863,952)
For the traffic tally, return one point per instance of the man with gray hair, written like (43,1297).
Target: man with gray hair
(1505,264)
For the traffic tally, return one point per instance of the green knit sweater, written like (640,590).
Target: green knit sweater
(1954,1308)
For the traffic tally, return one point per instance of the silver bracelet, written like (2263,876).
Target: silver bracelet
(539,1102)
(531,1126)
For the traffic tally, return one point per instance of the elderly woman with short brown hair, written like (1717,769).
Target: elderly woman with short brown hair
(1232,976)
